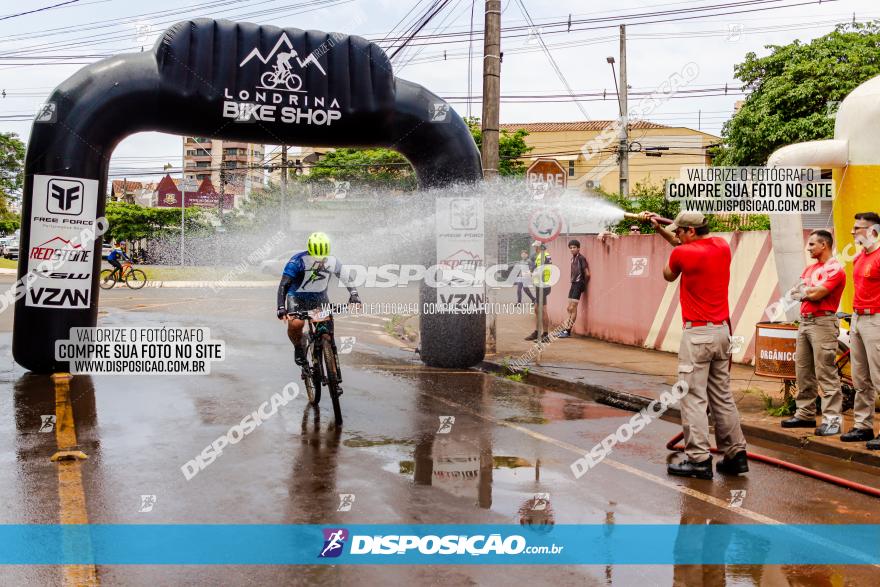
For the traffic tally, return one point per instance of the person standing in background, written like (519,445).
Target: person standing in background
(819,290)
(541,278)
(864,332)
(580,276)
(523,277)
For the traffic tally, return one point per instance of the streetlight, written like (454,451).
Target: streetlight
(610,61)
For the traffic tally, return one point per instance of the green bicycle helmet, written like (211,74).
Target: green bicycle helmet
(319,244)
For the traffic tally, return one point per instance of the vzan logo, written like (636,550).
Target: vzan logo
(279,96)
(64,196)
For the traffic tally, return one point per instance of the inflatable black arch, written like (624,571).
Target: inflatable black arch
(220,79)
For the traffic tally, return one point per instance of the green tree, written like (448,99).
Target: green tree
(380,168)
(133,222)
(12,153)
(793,90)
(512,148)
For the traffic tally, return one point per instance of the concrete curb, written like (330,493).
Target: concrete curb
(628,401)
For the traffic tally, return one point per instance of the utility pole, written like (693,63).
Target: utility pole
(282,213)
(491,88)
(222,191)
(623,149)
(489,155)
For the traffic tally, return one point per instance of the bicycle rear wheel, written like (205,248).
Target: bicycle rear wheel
(332,379)
(107,279)
(136,279)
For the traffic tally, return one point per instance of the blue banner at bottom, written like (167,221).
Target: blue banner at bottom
(266,544)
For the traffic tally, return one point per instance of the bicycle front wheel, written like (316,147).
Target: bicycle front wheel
(107,279)
(136,279)
(332,379)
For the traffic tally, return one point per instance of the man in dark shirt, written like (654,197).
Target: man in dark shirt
(580,275)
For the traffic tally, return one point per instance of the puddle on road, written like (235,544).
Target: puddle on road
(360,442)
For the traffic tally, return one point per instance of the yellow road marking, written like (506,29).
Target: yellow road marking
(71,496)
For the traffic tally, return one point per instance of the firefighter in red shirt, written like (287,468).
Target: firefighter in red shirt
(865,328)
(703,263)
(820,290)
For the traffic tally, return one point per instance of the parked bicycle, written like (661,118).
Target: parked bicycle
(322,360)
(133,278)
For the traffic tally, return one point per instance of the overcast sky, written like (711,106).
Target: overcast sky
(655,51)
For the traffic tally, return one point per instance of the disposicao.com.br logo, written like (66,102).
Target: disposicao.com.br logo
(431,544)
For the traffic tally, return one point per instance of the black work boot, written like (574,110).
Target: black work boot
(798,423)
(857,435)
(688,468)
(735,465)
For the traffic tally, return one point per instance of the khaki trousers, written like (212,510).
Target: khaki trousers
(704,364)
(864,347)
(816,351)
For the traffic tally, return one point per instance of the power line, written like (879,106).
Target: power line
(39,9)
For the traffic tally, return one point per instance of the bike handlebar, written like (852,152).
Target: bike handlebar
(333,308)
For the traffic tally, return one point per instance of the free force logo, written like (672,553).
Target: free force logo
(60,253)
(65,196)
(334,541)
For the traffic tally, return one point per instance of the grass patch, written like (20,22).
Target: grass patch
(8,263)
(512,373)
(786,407)
(162,273)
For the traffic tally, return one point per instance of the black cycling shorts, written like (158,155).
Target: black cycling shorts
(303,304)
(577,289)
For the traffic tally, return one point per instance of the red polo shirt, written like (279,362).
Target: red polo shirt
(704,265)
(830,275)
(866,279)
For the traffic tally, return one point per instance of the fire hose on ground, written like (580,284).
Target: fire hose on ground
(839,481)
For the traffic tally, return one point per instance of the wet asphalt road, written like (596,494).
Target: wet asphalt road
(509,442)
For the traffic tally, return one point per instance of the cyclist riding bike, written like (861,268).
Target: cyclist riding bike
(113,258)
(303,287)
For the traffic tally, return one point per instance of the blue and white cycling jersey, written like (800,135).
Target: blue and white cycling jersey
(310,276)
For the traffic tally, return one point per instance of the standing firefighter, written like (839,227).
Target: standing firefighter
(820,289)
(703,263)
(865,328)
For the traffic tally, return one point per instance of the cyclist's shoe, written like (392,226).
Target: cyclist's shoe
(299,356)
(873,444)
(545,338)
(532,336)
(564,334)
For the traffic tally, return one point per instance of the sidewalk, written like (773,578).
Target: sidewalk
(631,377)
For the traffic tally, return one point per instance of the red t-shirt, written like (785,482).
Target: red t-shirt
(866,279)
(704,265)
(832,276)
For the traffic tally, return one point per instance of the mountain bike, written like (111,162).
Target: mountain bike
(322,360)
(133,278)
